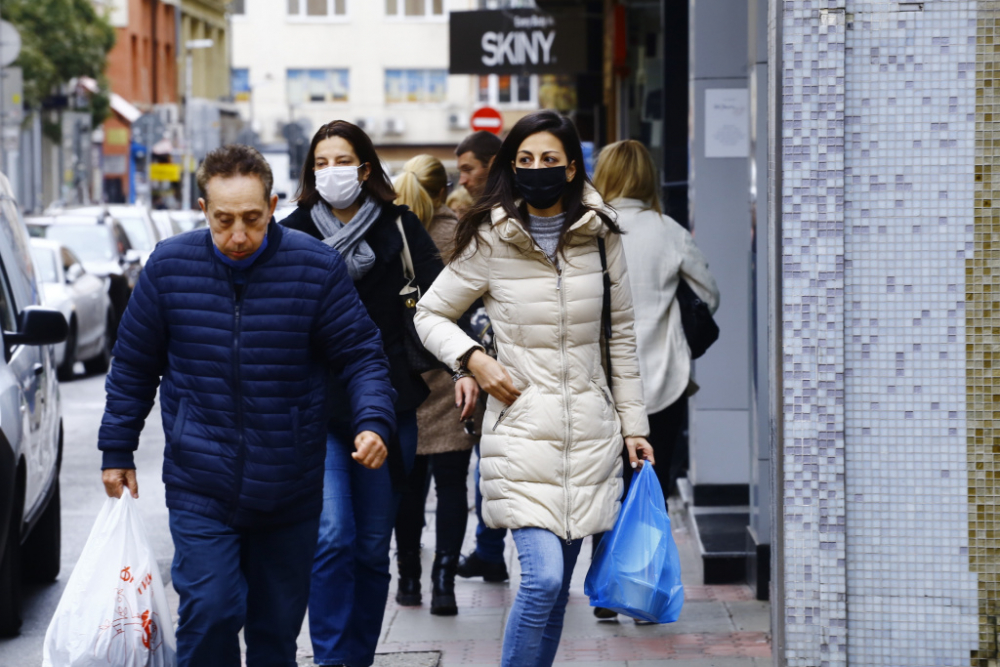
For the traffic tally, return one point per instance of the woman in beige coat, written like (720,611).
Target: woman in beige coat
(552,437)
(445,442)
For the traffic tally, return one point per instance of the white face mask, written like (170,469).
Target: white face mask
(338,186)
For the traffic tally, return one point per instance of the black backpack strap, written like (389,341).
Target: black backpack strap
(606,308)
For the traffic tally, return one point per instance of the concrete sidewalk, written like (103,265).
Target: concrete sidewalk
(720,626)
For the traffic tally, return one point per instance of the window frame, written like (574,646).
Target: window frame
(401,17)
(302,17)
(307,102)
(405,104)
(493,92)
(237,16)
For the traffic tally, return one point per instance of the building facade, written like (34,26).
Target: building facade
(204,20)
(142,71)
(382,64)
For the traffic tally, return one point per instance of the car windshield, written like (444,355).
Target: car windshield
(137,231)
(90,243)
(45,265)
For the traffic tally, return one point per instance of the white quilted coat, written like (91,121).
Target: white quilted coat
(553,458)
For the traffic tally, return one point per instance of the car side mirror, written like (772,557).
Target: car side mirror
(37,326)
(74,273)
(132,257)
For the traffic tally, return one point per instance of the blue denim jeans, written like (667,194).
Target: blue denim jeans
(231,578)
(350,575)
(535,623)
(489,541)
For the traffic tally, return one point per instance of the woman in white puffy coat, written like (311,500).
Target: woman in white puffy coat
(551,467)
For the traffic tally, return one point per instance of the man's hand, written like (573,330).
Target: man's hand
(371,451)
(493,378)
(466,395)
(116,479)
(639,449)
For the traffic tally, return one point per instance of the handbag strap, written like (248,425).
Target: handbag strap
(606,308)
(408,271)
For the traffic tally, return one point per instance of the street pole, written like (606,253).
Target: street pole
(188,86)
(189,46)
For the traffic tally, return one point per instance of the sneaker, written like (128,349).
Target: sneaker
(473,566)
(603,614)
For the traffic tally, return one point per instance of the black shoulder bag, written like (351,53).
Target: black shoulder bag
(419,359)
(700,328)
(606,309)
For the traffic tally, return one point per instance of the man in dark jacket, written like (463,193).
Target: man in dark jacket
(243,321)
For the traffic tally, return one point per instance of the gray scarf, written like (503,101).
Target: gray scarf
(349,239)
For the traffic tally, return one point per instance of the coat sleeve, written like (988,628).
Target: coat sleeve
(461,283)
(352,346)
(694,268)
(140,359)
(626,384)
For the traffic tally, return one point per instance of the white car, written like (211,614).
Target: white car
(83,300)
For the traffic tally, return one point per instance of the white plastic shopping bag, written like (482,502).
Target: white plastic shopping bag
(114,610)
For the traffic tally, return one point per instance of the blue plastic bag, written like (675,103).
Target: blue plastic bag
(637,570)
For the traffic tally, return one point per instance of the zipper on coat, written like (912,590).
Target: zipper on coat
(565,388)
(241,443)
(500,418)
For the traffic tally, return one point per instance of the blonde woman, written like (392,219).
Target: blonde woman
(445,443)
(659,252)
(460,201)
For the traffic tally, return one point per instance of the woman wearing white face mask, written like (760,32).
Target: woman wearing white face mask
(346,199)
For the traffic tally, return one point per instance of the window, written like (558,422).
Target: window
(238,7)
(414,8)
(317,9)
(415,86)
(508,90)
(240,84)
(318,85)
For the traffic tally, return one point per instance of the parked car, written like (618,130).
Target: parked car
(178,222)
(103,247)
(31,434)
(133,218)
(83,300)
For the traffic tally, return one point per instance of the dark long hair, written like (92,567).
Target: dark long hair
(501,190)
(378,184)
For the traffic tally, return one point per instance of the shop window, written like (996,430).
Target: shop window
(408,86)
(317,85)
(317,9)
(508,90)
(414,8)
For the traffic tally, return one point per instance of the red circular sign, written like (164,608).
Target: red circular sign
(488,119)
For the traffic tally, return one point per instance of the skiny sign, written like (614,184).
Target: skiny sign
(517,41)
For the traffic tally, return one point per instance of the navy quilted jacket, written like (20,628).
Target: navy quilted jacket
(243,380)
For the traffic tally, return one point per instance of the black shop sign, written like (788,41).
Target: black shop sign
(518,41)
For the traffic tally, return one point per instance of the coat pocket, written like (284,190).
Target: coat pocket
(177,432)
(509,412)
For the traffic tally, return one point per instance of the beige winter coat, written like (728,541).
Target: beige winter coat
(553,458)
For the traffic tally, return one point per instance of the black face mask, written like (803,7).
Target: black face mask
(541,188)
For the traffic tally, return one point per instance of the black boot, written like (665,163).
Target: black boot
(408,594)
(443,579)
(474,566)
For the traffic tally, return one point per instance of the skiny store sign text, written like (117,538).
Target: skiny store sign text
(517,41)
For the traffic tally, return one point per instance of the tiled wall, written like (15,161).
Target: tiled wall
(890,282)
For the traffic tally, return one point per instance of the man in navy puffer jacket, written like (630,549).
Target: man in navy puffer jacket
(242,321)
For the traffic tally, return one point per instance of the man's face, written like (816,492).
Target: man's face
(473,173)
(238,214)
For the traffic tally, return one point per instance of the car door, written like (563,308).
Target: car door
(87,291)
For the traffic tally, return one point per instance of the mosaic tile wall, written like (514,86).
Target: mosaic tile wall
(889,276)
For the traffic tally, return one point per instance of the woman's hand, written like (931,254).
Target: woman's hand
(466,395)
(639,449)
(493,377)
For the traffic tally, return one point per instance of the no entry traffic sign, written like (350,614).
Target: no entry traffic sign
(488,119)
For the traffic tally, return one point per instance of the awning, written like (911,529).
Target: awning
(119,104)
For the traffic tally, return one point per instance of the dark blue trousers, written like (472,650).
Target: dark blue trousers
(230,578)
(350,581)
